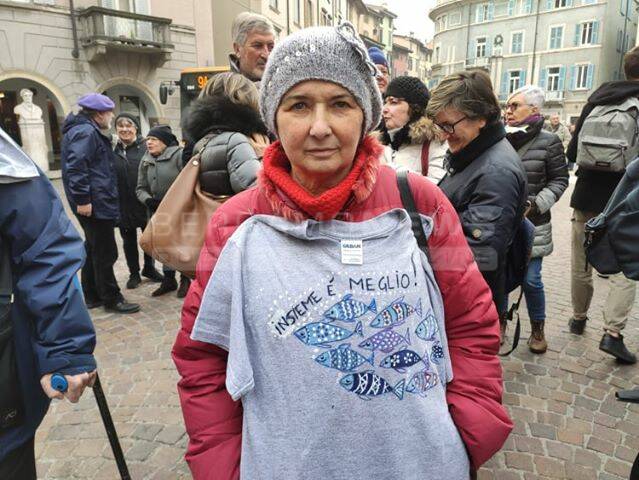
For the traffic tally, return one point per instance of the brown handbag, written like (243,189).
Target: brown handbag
(175,233)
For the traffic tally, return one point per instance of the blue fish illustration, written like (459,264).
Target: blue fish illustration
(396,313)
(343,358)
(437,353)
(347,309)
(323,334)
(427,328)
(402,359)
(385,341)
(421,382)
(367,385)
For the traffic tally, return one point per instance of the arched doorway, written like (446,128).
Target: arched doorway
(135,99)
(52,109)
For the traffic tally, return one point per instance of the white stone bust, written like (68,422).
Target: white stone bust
(27,110)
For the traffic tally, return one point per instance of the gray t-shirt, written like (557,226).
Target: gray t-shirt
(341,367)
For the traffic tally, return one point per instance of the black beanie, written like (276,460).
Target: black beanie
(411,89)
(163,133)
(132,118)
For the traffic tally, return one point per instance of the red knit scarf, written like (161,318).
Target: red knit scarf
(358,182)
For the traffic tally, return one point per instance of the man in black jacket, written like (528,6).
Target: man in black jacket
(592,191)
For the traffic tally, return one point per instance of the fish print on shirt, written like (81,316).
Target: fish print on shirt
(437,353)
(348,309)
(386,340)
(324,334)
(343,358)
(421,382)
(368,384)
(401,360)
(396,313)
(427,329)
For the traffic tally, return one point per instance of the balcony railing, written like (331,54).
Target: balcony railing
(105,29)
(479,62)
(554,96)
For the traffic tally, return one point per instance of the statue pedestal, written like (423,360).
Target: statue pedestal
(34,142)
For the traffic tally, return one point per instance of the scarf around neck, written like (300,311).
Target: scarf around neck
(358,184)
(488,136)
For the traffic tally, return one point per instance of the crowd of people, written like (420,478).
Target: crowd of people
(328,292)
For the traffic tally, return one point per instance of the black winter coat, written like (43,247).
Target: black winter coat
(593,188)
(486,183)
(127,162)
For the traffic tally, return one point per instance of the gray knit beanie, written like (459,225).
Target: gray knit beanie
(335,54)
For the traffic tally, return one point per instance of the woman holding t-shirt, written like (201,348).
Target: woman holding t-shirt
(314,342)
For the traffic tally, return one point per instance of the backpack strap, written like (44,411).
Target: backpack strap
(6,279)
(424,157)
(408,201)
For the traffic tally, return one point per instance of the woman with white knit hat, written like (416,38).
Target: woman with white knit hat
(318,340)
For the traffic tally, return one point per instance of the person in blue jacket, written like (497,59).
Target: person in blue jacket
(90,184)
(52,330)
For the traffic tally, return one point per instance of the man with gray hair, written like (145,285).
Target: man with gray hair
(554,125)
(253,40)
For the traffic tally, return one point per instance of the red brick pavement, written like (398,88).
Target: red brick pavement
(568,424)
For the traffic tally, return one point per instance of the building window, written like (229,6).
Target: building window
(454,19)
(501,8)
(308,13)
(552,79)
(517,42)
(514,80)
(556,37)
(480,47)
(273,4)
(436,54)
(410,63)
(581,76)
(483,12)
(325,20)
(587,33)
(297,14)
(527,6)
(560,3)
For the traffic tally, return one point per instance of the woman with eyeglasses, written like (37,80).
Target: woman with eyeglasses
(485,180)
(543,157)
(411,139)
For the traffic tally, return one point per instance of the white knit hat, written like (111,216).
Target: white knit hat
(335,54)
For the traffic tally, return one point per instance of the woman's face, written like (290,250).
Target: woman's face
(517,110)
(382,77)
(126,131)
(319,125)
(396,113)
(464,129)
(155,146)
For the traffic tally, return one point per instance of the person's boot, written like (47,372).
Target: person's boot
(122,306)
(615,347)
(167,285)
(577,326)
(537,341)
(152,274)
(185,283)
(134,281)
(503,325)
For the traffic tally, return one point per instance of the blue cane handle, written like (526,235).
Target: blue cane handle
(59,383)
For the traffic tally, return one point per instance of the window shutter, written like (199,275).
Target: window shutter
(550,4)
(491,11)
(578,33)
(528,6)
(595,32)
(142,7)
(473,49)
(569,3)
(479,13)
(503,87)
(522,78)
(562,78)
(489,47)
(542,78)
(511,7)
(572,77)
(590,75)
(108,4)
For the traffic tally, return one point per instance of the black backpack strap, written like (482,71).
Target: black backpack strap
(409,205)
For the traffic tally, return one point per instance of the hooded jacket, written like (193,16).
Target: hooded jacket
(127,165)
(88,171)
(594,188)
(228,163)
(52,329)
(157,174)
(408,156)
(214,421)
(547,174)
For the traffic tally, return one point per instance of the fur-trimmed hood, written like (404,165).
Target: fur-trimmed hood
(419,131)
(210,114)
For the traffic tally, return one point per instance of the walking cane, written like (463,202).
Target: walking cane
(59,383)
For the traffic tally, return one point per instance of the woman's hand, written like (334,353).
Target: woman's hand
(259,143)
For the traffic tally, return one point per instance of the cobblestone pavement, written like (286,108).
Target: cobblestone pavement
(568,424)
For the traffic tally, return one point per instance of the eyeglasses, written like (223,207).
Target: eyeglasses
(514,106)
(450,127)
